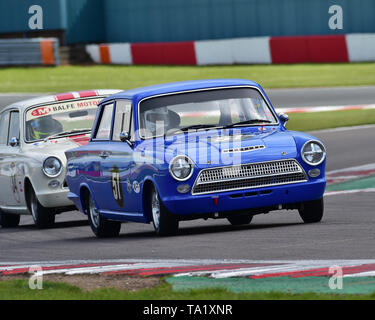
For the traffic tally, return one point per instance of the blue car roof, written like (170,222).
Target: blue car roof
(140,93)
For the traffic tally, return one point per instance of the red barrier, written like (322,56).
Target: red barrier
(289,49)
(330,48)
(172,53)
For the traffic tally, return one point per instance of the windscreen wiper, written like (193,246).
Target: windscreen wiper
(247,122)
(192,127)
(67,132)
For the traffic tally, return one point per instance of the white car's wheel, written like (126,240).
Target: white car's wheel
(9,220)
(43,217)
(101,227)
(165,223)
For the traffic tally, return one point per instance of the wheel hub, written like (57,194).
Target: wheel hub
(155,206)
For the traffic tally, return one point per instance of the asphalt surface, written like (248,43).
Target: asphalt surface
(314,97)
(281,98)
(346,231)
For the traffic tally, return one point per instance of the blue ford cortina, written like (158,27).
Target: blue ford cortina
(189,150)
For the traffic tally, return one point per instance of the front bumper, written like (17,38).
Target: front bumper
(188,204)
(55,198)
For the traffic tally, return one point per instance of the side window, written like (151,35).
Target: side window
(122,118)
(104,129)
(4,127)
(14,127)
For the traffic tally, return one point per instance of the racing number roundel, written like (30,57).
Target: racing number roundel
(116,186)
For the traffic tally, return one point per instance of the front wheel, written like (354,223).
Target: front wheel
(312,211)
(165,224)
(237,220)
(9,220)
(43,217)
(101,227)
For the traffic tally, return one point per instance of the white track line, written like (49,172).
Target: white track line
(325,108)
(335,193)
(287,266)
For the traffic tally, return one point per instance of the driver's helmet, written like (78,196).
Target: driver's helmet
(154,117)
(43,127)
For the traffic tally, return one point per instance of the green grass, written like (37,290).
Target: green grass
(330,119)
(66,78)
(19,290)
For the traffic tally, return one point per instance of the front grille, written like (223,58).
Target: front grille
(252,175)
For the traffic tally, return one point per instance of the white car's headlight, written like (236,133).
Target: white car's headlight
(52,167)
(313,152)
(181,168)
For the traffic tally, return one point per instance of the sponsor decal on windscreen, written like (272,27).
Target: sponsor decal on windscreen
(62,108)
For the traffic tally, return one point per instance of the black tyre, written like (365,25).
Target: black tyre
(312,211)
(43,217)
(102,228)
(165,224)
(237,220)
(9,220)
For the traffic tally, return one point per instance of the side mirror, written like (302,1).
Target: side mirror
(14,142)
(125,137)
(283,118)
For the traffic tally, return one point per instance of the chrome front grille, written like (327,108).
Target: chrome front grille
(246,176)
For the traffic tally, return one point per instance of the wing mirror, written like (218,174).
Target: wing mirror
(283,118)
(14,142)
(125,137)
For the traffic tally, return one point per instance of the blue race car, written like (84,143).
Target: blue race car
(189,150)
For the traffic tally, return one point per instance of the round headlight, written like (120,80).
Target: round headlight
(313,153)
(52,167)
(181,168)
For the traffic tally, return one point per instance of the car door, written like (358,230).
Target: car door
(99,152)
(10,166)
(119,163)
(15,182)
(4,169)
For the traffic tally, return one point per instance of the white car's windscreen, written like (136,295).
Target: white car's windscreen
(63,117)
(214,108)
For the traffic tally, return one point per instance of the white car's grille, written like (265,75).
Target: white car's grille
(246,176)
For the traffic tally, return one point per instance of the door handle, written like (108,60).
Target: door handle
(104,154)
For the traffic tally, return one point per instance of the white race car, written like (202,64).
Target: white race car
(33,137)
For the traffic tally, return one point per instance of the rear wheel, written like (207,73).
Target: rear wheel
(312,211)
(237,220)
(9,220)
(165,224)
(43,217)
(101,227)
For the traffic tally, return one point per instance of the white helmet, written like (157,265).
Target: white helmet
(156,119)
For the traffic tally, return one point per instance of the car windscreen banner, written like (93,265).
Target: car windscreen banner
(62,107)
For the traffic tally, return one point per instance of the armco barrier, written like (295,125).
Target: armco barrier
(181,53)
(36,51)
(264,50)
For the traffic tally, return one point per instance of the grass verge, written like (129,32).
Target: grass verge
(19,290)
(69,78)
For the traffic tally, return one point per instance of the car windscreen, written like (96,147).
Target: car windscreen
(211,108)
(60,118)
